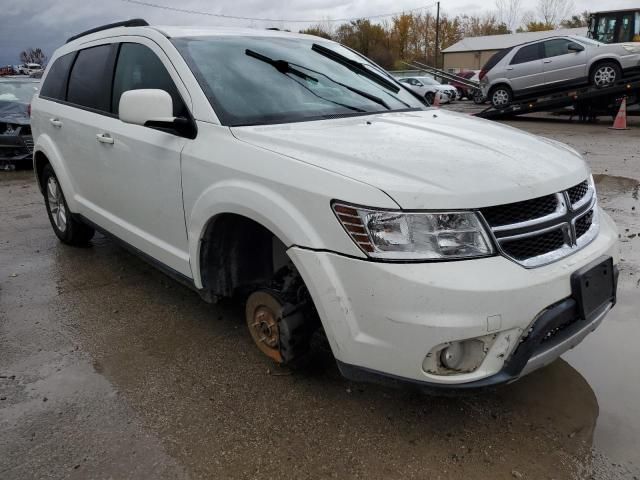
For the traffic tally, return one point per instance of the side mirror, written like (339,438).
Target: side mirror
(141,106)
(574,47)
(153,108)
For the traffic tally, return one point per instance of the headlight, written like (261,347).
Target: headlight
(395,235)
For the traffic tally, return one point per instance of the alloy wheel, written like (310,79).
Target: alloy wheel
(605,75)
(500,97)
(56,204)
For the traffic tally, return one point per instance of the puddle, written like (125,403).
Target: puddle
(609,358)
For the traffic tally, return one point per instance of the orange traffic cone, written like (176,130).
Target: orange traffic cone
(436,100)
(620,123)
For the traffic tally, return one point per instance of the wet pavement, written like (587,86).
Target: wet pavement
(108,369)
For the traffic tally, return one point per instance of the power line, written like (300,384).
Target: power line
(274,20)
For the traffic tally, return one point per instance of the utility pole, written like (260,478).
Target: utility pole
(437,54)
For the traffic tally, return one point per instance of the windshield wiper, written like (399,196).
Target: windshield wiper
(285,67)
(280,65)
(355,66)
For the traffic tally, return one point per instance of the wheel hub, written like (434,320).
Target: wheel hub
(266,326)
(604,76)
(500,97)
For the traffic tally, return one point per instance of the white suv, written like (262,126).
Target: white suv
(428,246)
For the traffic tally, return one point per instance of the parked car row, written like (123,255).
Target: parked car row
(542,67)
(33,70)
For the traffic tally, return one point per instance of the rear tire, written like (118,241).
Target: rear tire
(478,98)
(501,96)
(65,226)
(605,74)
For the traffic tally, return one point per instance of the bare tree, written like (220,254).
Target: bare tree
(33,55)
(509,13)
(552,12)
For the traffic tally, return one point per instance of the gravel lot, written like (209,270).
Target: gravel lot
(108,369)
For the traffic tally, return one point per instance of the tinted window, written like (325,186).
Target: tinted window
(55,86)
(559,46)
(90,80)
(528,53)
(495,58)
(138,67)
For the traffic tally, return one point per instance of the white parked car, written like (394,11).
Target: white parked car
(428,88)
(29,68)
(442,250)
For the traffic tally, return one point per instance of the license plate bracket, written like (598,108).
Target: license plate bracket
(594,286)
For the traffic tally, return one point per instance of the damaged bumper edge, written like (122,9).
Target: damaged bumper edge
(530,355)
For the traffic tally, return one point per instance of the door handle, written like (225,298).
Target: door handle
(509,68)
(55,122)
(104,138)
(547,61)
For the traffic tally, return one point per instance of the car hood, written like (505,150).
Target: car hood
(430,159)
(622,48)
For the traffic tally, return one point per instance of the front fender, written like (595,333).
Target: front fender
(252,200)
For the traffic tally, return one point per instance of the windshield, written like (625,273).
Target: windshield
(20,92)
(264,80)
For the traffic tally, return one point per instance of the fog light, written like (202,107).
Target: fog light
(463,356)
(453,356)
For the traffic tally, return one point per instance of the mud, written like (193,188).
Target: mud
(108,369)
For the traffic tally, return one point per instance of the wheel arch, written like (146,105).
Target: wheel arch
(46,152)
(257,206)
(497,85)
(600,60)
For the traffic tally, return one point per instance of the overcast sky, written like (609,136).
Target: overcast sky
(47,23)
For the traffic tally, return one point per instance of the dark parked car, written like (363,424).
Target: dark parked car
(16,142)
(7,70)
(464,90)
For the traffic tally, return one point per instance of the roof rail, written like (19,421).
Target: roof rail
(134,22)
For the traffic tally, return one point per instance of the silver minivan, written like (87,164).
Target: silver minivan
(543,66)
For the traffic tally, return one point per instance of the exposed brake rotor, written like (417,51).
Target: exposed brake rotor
(263,313)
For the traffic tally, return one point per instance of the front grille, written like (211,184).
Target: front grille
(583,224)
(520,211)
(578,192)
(535,246)
(542,230)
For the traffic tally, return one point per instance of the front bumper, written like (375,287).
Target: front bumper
(385,318)
(16,148)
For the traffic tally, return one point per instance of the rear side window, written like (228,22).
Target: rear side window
(493,61)
(137,68)
(90,80)
(55,85)
(556,47)
(528,53)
